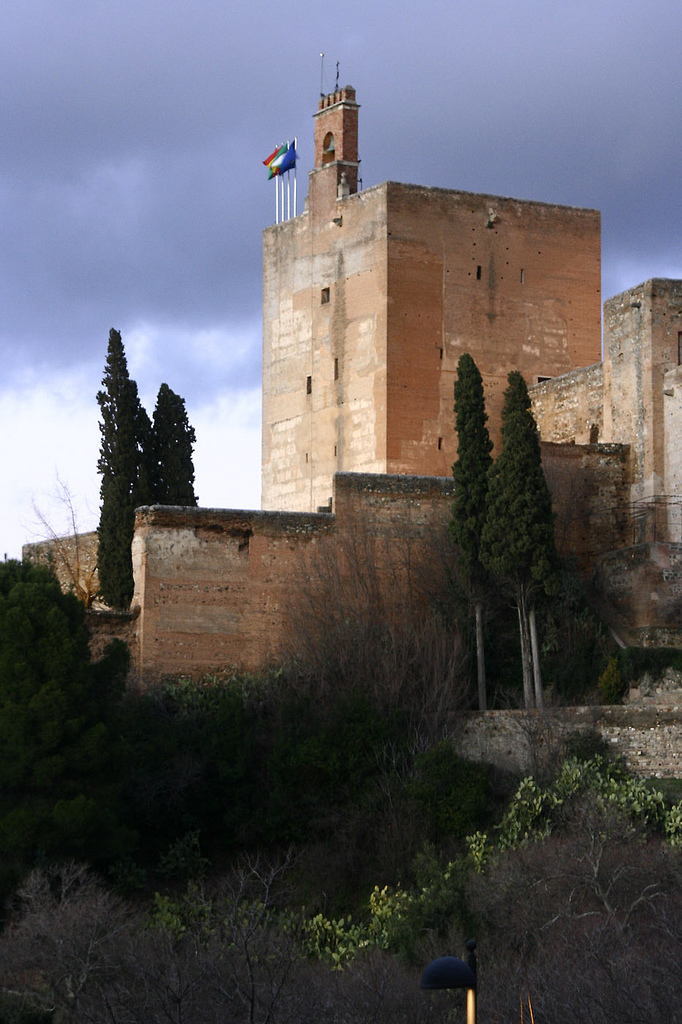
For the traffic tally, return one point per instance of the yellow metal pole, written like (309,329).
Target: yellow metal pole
(471,1006)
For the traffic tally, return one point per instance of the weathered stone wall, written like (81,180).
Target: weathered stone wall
(672,449)
(105,626)
(324,351)
(569,409)
(73,559)
(589,484)
(212,585)
(648,738)
(642,584)
(641,347)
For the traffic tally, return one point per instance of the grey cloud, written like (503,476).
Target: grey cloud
(132,192)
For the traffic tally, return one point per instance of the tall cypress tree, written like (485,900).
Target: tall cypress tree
(470,473)
(517,541)
(125,430)
(170,452)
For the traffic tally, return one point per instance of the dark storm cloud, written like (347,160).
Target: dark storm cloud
(132,193)
(131,188)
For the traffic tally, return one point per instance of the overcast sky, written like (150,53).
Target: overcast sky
(132,193)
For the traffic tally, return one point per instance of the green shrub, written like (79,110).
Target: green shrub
(452,793)
(323,760)
(611,684)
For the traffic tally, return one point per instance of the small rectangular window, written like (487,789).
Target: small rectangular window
(440,443)
(478,273)
(336,369)
(334,449)
(309,385)
(324,296)
(440,350)
(522,275)
(306,456)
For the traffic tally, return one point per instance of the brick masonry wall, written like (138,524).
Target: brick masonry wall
(648,738)
(210,585)
(415,503)
(514,283)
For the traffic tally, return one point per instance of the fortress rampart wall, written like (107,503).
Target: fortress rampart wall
(212,585)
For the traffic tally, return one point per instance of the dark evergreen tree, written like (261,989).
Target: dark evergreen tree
(170,452)
(61,761)
(125,430)
(470,473)
(517,541)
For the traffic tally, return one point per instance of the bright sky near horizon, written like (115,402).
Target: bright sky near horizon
(132,192)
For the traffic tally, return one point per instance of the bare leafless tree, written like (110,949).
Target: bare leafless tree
(63,940)
(586,922)
(363,616)
(71,553)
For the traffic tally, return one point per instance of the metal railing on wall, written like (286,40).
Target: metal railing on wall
(648,521)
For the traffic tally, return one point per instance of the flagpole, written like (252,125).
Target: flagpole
(288,195)
(283,160)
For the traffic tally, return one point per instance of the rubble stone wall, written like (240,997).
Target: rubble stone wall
(569,409)
(648,738)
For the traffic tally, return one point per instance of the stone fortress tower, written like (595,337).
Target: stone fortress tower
(633,398)
(370,298)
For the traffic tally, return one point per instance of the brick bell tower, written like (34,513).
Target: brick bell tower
(336,150)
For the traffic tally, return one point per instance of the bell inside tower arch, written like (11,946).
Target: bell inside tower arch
(328,149)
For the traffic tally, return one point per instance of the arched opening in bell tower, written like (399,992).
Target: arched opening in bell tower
(328,149)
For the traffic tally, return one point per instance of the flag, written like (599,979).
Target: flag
(278,151)
(287,160)
(281,160)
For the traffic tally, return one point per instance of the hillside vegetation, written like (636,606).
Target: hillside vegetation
(298,845)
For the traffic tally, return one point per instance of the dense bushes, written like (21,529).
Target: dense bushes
(577,908)
(61,751)
(401,852)
(247,763)
(235,763)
